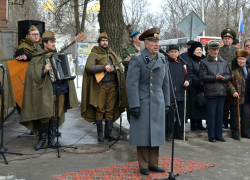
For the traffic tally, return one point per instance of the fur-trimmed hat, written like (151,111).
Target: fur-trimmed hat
(241,53)
(195,45)
(213,44)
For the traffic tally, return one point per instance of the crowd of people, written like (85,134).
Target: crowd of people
(157,89)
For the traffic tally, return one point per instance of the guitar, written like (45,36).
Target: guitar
(79,38)
(18,71)
(99,76)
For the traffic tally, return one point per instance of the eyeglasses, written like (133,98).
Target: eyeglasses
(34,34)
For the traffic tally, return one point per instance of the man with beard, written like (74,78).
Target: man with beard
(26,48)
(100,98)
(39,99)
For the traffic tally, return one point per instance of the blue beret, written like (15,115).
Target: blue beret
(135,33)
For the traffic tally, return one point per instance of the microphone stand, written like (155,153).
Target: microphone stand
(58,145)
(176,112)
(3,150)
(120,108)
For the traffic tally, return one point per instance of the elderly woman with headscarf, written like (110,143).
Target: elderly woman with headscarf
(238,89)
(197,112)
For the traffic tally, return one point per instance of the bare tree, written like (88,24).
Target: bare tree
(134,12)
(112,22)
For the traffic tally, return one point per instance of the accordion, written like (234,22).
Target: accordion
(62,67)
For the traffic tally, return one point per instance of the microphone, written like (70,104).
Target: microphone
(1,66)
(163,52)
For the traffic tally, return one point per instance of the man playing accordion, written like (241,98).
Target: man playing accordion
(39,99)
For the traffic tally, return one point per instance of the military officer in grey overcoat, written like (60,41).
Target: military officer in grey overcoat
(227,52)
(149,98)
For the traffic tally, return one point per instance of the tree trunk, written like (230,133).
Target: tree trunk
(111,21)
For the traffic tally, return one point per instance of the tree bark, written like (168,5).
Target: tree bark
(111,21)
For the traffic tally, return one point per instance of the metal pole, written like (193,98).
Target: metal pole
(191,29)
(203,18)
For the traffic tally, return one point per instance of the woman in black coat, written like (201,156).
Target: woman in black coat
(197,113)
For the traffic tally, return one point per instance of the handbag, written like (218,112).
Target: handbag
(200,99)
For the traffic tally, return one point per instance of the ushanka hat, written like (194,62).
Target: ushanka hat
(150,34)
(213,44)
(242,53)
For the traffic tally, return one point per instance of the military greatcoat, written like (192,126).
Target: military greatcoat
(228,54)
(148,88)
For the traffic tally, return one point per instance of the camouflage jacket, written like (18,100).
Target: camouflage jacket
(237,83)
(128,52)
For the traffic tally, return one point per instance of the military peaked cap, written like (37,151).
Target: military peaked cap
(150,34)
(228,32)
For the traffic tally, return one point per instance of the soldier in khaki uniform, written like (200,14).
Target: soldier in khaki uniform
(26,48)
(100,99)
(227,52)
(39,97)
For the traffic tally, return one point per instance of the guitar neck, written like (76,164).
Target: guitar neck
(67,47)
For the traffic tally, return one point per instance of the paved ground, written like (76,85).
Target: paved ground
(231,158)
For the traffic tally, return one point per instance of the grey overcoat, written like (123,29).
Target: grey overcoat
(148,87)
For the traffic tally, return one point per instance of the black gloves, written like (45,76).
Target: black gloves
(166,109)
(135,112)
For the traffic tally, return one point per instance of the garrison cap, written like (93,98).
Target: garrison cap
(103,35)
(213,44)
(173,46)
(33,28)
(135,33)
(150,34)
(228,32)
(48,34)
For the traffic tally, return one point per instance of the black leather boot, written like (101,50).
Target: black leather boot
(199,125)
(52,133)
(108,130)
(43,131)
(99,126)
